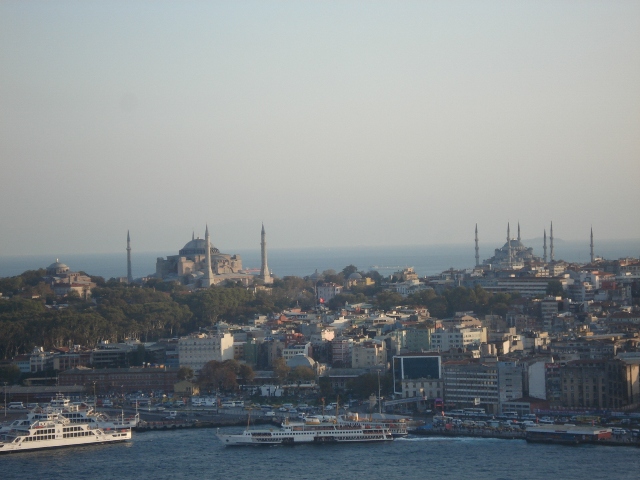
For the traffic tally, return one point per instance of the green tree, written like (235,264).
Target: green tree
(348,270)
(9,373)
(554,288)
(246,373)
(281,370)
(302,374)
(185,373)
(387,299)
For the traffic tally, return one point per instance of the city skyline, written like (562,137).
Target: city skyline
(335,124)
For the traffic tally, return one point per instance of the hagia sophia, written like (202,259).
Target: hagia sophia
(200,264)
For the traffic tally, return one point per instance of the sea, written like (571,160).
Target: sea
(197,454)
(425,259)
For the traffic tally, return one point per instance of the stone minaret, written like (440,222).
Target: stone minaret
(519,232)
(477,249)
(129,275)
(552,256)
(509,244)
(544,247)
(593,257)
(264,268)
(207,281)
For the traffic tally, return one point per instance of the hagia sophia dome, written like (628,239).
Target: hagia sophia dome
(197,246)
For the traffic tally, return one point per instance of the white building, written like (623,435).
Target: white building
(369,354)
(293,350)
(196,350)
(444,340)
(327,291)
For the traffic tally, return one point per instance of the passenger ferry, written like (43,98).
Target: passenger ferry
(309,431)
(55,431)
(397,427)
(75,413)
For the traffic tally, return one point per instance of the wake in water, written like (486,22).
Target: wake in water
(454,439)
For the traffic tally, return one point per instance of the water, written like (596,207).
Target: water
(426,259)
(198,454)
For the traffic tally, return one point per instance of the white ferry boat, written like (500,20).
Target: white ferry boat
(56,431)
(75,413)
(309,431)
(397,427)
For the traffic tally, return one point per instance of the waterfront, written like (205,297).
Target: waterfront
(426,259)
(198,454)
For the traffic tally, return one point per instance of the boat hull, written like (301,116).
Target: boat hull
(294,437)
(102,439)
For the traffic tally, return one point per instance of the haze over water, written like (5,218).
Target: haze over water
(427,260)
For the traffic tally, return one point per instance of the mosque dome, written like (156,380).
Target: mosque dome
(301,361)
(315,276)
(197,246)
(57,267)
(355,276)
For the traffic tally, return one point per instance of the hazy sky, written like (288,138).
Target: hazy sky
(335,123)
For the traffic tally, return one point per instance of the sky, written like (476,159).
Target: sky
(334,123)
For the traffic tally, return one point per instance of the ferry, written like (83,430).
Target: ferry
(75,413)
(397,427)
(309,431)
(55,431)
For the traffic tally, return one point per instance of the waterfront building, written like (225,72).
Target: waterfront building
(413,369)
(197,349)
(471,383)
(426,388)
(120,380)
(601,383)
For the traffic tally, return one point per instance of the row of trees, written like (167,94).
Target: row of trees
(162,309)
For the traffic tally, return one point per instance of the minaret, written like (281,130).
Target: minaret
(519,232)
(552,257)
(509,243)
(129,275)
(544,247)
(207,281)
(593,257)
(477,249)
(264,269)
